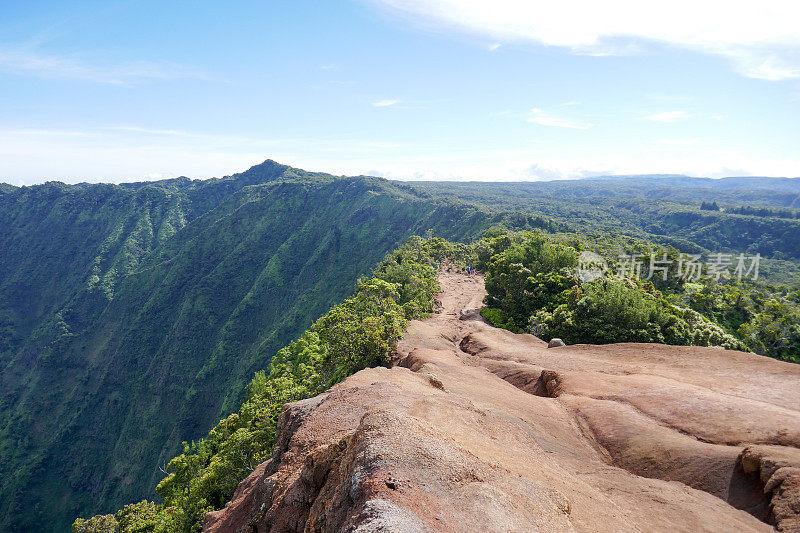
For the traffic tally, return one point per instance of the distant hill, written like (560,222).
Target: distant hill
(736,182)
(780,192)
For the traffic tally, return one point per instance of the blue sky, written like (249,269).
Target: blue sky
(408,89)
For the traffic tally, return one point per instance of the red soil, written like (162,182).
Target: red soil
(479,429)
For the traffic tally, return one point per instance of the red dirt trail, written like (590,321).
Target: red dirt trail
(478,429)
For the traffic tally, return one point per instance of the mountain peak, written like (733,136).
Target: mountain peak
(263,172)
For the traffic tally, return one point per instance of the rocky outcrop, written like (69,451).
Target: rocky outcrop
(479,429)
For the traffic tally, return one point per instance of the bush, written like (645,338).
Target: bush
(609,311)
(142,517)
(527,276)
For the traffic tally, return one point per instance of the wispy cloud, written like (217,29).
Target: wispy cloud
(151,131)
(33,132)
(760,38)
(672,98)
(540,117)
(385,103)
(675,142)
(772,63)
(27,60)
(132,152)
(668,116)
(494,47)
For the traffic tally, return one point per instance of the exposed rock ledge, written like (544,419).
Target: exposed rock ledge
(478,429)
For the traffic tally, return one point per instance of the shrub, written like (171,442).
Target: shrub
(609,311)
(528,276)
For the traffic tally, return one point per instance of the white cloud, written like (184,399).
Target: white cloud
(494,47)
(40,133)
(153,131)
(20,60)
(668,116)
(542,118)
(539,172)
(120,153)
(385,103)
(761,38)
(675,142)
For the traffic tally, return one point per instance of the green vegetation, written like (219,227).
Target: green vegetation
(358,333)
(533,286)
(133,317)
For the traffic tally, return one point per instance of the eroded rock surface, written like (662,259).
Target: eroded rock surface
(479,429)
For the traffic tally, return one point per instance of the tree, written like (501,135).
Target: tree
(775,331)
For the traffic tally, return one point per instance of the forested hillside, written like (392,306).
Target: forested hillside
(133,316)
(538,284)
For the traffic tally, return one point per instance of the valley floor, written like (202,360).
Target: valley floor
(480,429)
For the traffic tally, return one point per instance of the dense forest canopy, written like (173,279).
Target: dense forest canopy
(667,210)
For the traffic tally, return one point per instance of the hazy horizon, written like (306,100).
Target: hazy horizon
(400,179)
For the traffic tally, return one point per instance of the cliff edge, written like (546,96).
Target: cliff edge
(480,429)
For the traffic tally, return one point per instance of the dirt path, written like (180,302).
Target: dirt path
(479,429)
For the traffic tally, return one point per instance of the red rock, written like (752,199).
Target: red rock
(479,429)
